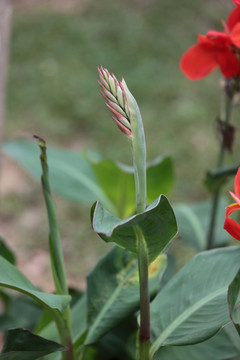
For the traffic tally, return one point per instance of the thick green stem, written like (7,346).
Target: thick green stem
(144,331)
(139,163)
(56,254)
(217,191)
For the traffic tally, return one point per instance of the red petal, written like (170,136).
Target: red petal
(236,2)
(228,63)
(198,61)
(235,35)
(237,184)
(233,18)
(230,225)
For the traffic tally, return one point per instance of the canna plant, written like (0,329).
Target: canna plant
(138,304)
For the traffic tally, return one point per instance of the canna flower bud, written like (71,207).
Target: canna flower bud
(119,100)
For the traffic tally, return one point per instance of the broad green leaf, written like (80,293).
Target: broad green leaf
(120,342)
(193,223)
(233,298)
(6,252)
(121,191)
(157,223)
(71,174)
(12,278)
(192,306)
(113,290)
(21,311)
(22,344)
(224,345)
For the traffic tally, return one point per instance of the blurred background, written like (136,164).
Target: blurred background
(55,48)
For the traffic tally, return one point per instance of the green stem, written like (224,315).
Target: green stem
(56,254)
(217,191)
(144,331)
(139,163)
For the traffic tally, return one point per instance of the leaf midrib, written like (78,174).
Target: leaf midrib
(182,317)
(109,303)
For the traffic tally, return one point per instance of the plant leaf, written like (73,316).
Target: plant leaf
(192,306)
(12,278)
(157,223)
(233,301)
(71,174)
(224,345)
(121,191)
(22,344)
(193,223)
(21,311)
(6,252)
(113,290)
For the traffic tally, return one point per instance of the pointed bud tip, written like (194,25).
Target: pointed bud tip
(41,142)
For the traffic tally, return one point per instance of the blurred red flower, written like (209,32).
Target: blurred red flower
(230,225)
(215,49)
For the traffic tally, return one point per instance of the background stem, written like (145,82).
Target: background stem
(217,191)
(57,261)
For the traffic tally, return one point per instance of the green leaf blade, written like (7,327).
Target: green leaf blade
(113,290)
(22,344)
(200,288)
(12,278)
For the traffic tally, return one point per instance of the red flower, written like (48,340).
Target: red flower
(216,49)
(232,227)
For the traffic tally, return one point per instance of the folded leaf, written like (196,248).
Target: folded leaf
(157,223)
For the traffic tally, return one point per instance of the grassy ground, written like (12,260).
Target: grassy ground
(52,92)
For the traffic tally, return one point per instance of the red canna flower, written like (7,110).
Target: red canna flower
(216,49)
(230,225)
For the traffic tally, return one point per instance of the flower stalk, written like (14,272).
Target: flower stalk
(126,115)
(229,95)
(57,261)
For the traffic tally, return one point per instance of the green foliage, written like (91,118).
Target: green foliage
(194,302)
(233,301)
(224,345)
(70,174)
(117,181)
(6,252)
(19,311)
(193,223)
(113,290)
(12,278)
(157,223)
(22,344)
(85,181)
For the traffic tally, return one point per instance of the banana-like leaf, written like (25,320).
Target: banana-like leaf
(224,345)
(192,306)
(157,224)
(12,278)
(193,224)
(113,290)
(71,175)
(233,301)
(22,344)
(75,177)
(121,191)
